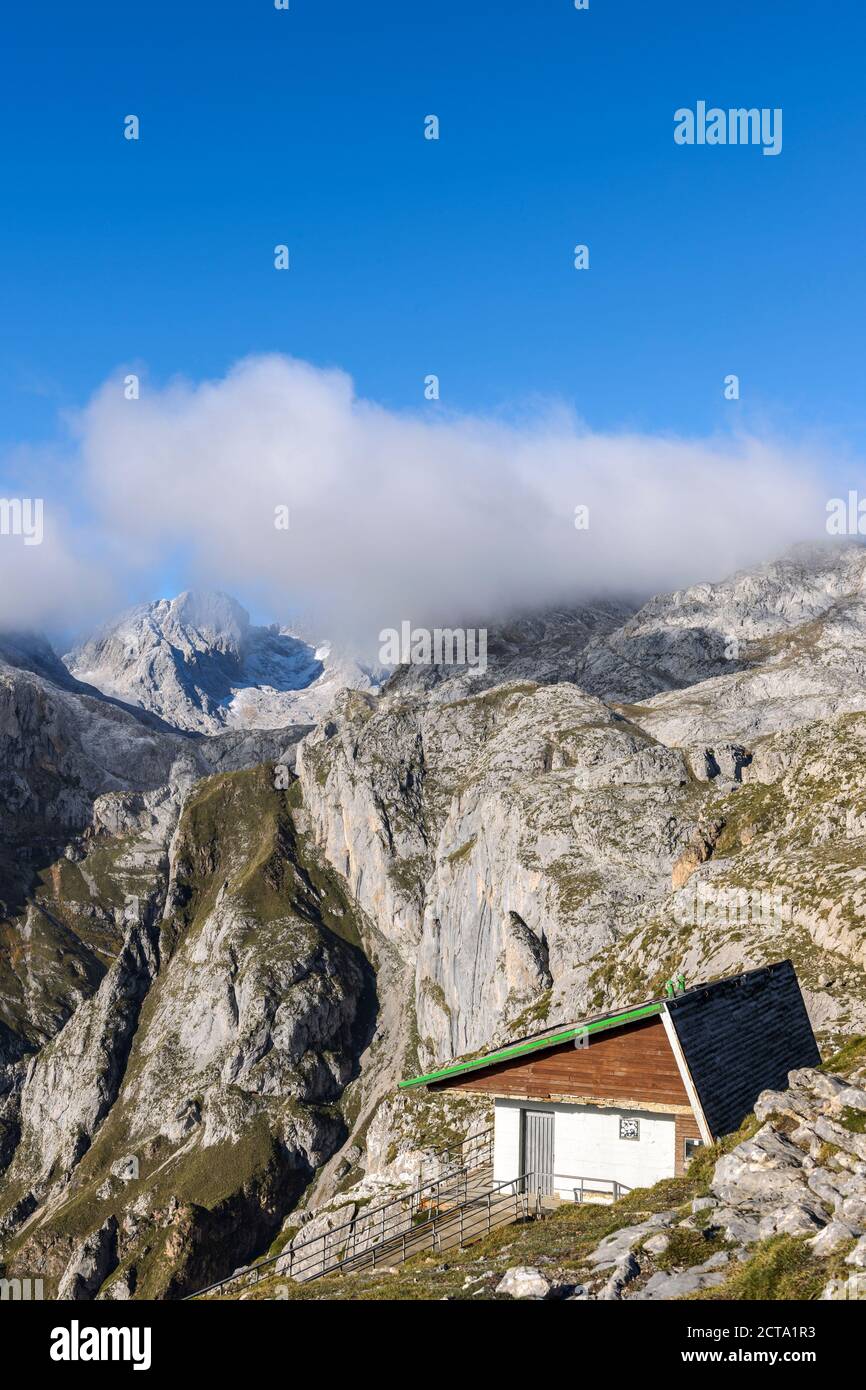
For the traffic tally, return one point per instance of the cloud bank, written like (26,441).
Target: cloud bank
(392,516)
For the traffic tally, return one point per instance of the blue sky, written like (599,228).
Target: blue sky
(453,257)
(410,256)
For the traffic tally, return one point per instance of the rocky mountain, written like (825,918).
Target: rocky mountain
(229,928)
(198,663)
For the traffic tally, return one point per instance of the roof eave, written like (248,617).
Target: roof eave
(517,1050)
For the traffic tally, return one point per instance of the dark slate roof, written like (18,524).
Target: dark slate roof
(741,1036)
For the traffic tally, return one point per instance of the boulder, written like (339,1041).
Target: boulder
(854,1097)
(817,1082)
(717,1261)
(828,1186)
(766,1170)
(739,1226)
(625,1271)
(853,1210)
(664,1285)
(795,1102)
(794,1220)
(854,1287)
(858,1254)
(834,1234)
(523,1281)
(615,1247)
(843,1138)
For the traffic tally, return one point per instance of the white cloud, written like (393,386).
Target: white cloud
(49,575)
(419,515)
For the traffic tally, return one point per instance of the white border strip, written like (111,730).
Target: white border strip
(686,1076)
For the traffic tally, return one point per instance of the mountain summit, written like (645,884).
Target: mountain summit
(200,664)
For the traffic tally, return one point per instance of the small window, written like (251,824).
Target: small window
(690,1148)
(629,1129)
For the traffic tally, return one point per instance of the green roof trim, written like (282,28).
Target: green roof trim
(536,1044)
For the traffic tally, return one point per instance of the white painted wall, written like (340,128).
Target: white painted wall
(587,1144)
(506,1141)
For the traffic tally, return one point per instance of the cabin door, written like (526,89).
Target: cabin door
(538,1149)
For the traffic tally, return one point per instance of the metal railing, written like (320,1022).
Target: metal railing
(371,1228)
(474,1151)
(591,1187)
(516,1199)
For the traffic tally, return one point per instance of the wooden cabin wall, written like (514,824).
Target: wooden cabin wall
(633,1063)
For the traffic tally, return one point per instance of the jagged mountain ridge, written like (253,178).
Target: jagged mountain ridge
(492,855)
(198,662)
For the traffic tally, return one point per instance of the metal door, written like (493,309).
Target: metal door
(538,1149)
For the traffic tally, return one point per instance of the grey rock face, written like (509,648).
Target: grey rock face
(544,648)
(482,838)
(723,642)
(91,1263)
(458,813)
(71,1085)
(253,1024)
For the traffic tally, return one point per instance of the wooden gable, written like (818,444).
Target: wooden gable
(630,1065)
